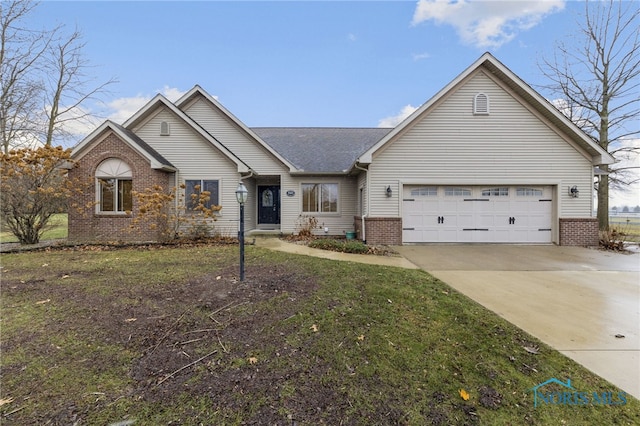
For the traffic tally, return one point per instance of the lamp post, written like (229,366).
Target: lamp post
(241,196)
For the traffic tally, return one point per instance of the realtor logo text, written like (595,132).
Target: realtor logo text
(570,396)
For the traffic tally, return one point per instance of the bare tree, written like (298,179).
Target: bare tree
(67,86)
(599,82)
(20,53)
(45,80)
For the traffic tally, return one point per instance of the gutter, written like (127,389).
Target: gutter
(364,215)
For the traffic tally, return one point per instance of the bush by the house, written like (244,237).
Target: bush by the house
(340,246)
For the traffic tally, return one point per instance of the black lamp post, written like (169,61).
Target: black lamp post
(241,196)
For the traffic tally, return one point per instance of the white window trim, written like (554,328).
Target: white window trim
(184,192)
(320,213)
(119,173)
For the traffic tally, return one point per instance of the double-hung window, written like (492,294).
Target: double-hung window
(114,186)
(201,191)
(320,197)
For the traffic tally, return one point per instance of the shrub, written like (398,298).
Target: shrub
(340,246)
(305,225)
(613,239)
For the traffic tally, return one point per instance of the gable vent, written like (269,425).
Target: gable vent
(164,129)
(481,104)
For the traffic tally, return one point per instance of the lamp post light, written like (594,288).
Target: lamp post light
(241,196)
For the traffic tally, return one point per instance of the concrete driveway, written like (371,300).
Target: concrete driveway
(579,301)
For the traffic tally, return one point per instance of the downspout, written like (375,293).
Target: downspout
(363,214)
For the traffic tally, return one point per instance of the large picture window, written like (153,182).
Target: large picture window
(320,197)
(195,187)
(114,181)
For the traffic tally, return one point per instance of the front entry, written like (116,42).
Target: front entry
(269,205)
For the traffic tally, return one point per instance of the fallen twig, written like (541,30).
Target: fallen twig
(14,411)
(185,367)
(167,333)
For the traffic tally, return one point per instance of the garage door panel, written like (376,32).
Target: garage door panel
(478,214)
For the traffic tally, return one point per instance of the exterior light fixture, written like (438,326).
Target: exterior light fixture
(573,191)
(241,196)
(389,191)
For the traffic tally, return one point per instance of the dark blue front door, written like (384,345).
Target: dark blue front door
(269,204)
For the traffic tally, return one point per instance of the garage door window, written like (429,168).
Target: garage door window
(425,191)
(457,192)
(528,192)
(495,192)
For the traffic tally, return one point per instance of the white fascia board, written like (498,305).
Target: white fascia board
(199,90)
(367,157)
(160,99)
(89,138)
(598,154)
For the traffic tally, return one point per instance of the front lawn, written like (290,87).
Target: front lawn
(166,335)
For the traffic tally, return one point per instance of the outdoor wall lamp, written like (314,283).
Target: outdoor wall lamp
(241,196)
(389,191)
(573,191)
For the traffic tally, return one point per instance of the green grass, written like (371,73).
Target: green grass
(57,229)
(361,345)
(629,225)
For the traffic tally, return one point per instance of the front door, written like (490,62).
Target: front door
(269,204)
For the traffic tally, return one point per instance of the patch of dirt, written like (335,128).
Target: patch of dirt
(489,397)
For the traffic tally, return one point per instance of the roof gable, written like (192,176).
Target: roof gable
(156,160)
(160,101)
(534,99)
(198,91)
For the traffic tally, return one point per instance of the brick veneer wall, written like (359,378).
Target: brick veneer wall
(579,232)
(380,230)
(86,224)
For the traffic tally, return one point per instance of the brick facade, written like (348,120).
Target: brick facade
(380,230)
(87,225)
(579,232)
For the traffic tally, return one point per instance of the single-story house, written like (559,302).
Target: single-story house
(487,159)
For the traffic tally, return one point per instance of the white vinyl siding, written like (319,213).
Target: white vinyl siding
(451,146)
(195,158)
(339,222)
(234,138)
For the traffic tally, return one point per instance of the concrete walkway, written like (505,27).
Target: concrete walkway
(579,301)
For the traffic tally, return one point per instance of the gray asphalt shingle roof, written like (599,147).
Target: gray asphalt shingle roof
(320,149)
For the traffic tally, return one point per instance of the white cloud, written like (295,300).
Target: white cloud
(122,109)
(486,24)
(420,56)
(352,37)
(394,120)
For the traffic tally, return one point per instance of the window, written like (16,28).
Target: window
(193,190)
(528,192)
(425,191)
(457,192)
(495,192)
(320,197)
(481,104)
(114,184)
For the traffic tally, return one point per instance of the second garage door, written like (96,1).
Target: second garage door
(504,214)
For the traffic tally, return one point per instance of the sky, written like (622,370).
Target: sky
(303,63)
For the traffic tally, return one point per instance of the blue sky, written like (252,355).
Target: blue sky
(326,63)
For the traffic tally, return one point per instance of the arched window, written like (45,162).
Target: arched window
(114,185)
(481,104)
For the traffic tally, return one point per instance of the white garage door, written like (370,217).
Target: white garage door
(505,214)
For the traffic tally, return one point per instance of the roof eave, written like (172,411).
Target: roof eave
(197,90)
